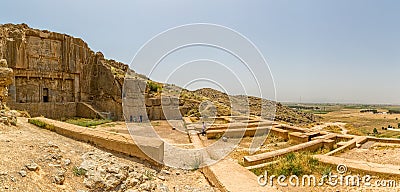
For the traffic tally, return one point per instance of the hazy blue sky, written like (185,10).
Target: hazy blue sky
(319,51)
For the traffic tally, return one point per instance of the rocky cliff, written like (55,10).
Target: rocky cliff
(6,75)
(54,68)
(225,104)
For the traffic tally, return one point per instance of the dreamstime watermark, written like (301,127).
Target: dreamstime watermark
(340,179)
(249,73)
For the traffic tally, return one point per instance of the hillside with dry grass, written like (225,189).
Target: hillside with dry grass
(241,105)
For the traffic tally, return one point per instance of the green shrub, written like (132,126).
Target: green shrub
(298,163)
(78,171)
(87,122)
(290,157)
(37,123)
(149,174)
(193,113)
(153,87)
(326,171)
(41,124)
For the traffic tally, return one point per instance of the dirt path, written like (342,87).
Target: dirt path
(339,124)
(52,158)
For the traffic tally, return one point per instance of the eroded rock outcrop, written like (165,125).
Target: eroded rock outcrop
(6,76)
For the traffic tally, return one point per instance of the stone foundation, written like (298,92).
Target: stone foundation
(112,141)
(50,110)
(269,156)
(296,137)
(238,133)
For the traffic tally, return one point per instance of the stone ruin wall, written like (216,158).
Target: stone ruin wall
(137,104)
(53,72)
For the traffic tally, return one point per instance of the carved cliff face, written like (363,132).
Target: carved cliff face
(51,67)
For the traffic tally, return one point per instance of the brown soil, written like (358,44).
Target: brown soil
(23,144)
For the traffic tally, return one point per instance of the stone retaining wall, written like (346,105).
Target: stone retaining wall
(268,156)
(296,137)
(364,166)
(241,125)
(383,140)
(349,145)
(112,141)
(280,133)
(236,133)
(50,110)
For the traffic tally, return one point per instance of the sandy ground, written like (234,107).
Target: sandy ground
(324,125)
(163,129)
(25,144)
(382,153)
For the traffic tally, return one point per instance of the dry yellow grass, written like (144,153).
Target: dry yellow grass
(333,129)
(364,123)
(271,143)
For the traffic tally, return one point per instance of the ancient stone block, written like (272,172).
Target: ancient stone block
(157,113)
(165,101)
(156,101)
(171,113)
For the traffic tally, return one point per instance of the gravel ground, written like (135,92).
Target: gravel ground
(33,159)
